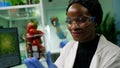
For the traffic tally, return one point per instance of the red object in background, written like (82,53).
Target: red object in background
(33,37)
(31,25)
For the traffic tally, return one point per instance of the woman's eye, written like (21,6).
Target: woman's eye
(82,20)
(69,21)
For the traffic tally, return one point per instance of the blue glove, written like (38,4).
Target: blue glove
(35,63)
(49,61)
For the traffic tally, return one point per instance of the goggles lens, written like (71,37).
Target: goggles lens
(79,19)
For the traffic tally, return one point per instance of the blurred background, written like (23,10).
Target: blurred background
(51,15)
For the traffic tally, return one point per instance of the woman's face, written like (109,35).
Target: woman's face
(80,23)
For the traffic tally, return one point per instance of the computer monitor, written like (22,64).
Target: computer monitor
(9,48)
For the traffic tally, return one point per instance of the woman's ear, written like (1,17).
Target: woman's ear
(95,24)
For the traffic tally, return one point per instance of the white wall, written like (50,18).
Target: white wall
(107,6)
(56,8)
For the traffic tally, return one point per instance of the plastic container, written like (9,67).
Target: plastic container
(3,4)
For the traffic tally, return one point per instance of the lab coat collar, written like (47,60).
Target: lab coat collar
(71,57)
(96,58)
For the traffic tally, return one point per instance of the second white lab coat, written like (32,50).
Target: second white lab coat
(107,55)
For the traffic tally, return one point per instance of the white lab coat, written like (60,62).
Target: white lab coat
(107,55)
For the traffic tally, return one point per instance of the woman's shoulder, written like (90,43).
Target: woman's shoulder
(106,47)
(109,45)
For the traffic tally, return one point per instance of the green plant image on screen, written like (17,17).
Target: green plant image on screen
(9,48)
(7,45)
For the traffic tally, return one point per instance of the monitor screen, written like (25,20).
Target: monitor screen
(9,48)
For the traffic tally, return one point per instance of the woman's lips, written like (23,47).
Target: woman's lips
(76,34)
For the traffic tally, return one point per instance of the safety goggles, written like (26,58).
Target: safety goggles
(80,19)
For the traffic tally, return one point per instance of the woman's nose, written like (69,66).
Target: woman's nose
(75,25)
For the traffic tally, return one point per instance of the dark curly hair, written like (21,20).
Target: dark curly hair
(93,6)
